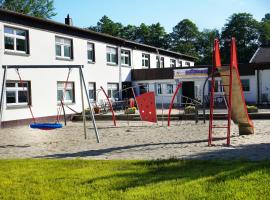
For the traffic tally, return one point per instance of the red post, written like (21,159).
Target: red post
(111,108)
(171,105)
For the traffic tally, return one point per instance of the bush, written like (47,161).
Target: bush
(130,110)
(252,109)
(190,110)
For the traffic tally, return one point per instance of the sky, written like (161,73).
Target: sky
(204,13)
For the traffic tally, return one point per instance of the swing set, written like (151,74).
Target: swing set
(56,124)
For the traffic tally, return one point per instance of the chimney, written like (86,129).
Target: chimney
(68,21)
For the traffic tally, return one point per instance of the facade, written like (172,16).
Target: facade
(107,61)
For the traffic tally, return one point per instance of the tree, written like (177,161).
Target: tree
(185,37)
(37,8)
(129,32)
(205,45)
(245,29)
(154,35)
(265,31)
(106,25)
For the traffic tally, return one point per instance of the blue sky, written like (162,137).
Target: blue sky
(205,13)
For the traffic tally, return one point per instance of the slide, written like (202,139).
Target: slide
(239,109)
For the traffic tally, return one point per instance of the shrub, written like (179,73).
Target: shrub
(252,109)
(190,110)
(130,110)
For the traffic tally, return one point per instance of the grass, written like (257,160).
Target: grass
(165,179)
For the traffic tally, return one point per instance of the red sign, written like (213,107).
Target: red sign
(147,107)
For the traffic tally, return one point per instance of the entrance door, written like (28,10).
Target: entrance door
(187,91)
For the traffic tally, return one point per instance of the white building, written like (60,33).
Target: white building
(108,62)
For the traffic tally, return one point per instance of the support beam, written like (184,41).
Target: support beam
(3,94)
(89,104)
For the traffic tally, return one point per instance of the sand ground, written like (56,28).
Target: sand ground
(139,140)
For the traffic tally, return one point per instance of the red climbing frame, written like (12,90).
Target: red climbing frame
(109,102)
(171,105)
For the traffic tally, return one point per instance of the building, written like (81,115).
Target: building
(261,63)
(107,60)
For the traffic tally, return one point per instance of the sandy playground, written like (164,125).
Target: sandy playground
(141,140)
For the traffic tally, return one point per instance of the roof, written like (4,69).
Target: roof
(49,25)
(262,55)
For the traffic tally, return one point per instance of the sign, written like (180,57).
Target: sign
(191,73)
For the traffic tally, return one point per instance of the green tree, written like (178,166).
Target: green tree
(265,31)
(185,38)
(106,25)
(37,8)
(205,45)
(129,32)
(245,29)
(154,35)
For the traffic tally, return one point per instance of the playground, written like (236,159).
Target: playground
(141,140)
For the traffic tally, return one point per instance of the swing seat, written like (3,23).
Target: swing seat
(46,126)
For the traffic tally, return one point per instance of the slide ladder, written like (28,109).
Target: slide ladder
(227,86)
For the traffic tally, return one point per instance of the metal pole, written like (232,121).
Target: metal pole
(89,104)
(83,108)
(2,94)
(64,113)
(162,109)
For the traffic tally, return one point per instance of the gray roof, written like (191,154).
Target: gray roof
(262,55)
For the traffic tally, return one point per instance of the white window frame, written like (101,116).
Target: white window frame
(162,62)
(14,36)
(125,54)
(159,89)
(93,50)
(172,63)
(70,86)
(110,55)
(145,57)
(180,62)
(168,89)
(91,86)
(114,89)
(18,89)
(63,43)
(187,63)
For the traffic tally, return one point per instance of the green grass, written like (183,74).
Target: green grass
(167,179)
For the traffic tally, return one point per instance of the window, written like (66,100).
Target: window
(159,89)
(113,90)
(169,88)
(92,91)
(68,94)
(63,48)
(180,63)
(218,86)
(144,87)
(173,63)
(245,85)
(111,55)
(188,64)
(146,60)
(17,93)
(125,57)
(160,62)
(91,52)
(16,40)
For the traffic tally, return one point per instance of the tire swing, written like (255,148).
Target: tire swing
(46,126)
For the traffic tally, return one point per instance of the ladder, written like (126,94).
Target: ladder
(227,97)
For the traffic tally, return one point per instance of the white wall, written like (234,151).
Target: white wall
(44,81)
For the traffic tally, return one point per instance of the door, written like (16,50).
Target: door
(188,91)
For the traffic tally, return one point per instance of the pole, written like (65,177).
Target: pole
(162,109)
(2,95)
(83,108)
(89,104)
(64,113)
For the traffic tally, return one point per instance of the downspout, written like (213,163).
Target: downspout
(120,73)
(258,87)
